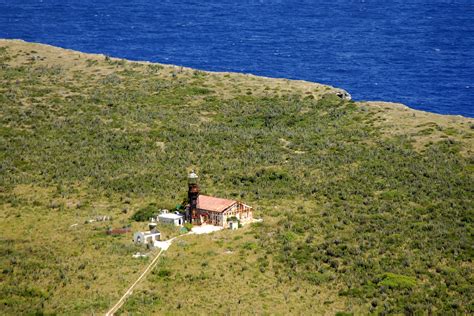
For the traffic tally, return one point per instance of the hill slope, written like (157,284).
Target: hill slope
(366,206)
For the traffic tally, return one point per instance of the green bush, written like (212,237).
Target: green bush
(164,273)
(144,214)
(396,281)
(188,226)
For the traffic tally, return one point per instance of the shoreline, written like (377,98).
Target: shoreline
(248,75)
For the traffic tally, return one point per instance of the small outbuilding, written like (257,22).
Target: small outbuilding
(171,218)
(147,237)
(233,224)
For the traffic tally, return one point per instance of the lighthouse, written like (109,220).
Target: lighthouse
(193,194)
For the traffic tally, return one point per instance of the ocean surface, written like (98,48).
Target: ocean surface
(420,53)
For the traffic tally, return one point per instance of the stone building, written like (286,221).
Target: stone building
(203,209)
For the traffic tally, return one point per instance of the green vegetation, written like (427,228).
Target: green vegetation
(356,220)
(144,214)
(396,281)
(188,226)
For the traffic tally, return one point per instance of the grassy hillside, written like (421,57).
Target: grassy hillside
(367,207)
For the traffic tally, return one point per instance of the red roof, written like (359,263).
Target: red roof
(213,204)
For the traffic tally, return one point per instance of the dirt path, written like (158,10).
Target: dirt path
(163,245)
(150,267)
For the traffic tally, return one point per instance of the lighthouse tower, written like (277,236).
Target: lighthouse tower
(193,194)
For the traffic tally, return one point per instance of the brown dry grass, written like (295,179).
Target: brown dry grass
(422,127)
(225,83)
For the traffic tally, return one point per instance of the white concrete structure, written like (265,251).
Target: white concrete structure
(147,237)
(233,225)
(171,218)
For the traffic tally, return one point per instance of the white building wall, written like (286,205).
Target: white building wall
(146,237)
(173,221)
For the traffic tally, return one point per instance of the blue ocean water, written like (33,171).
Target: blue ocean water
(420,53)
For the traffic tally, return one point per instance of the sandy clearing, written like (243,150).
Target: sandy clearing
(205,229)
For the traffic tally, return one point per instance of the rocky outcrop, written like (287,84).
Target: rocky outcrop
(343,94)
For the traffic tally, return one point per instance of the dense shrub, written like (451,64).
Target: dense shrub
(144,214)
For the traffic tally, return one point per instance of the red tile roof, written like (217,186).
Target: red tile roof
(213,204)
